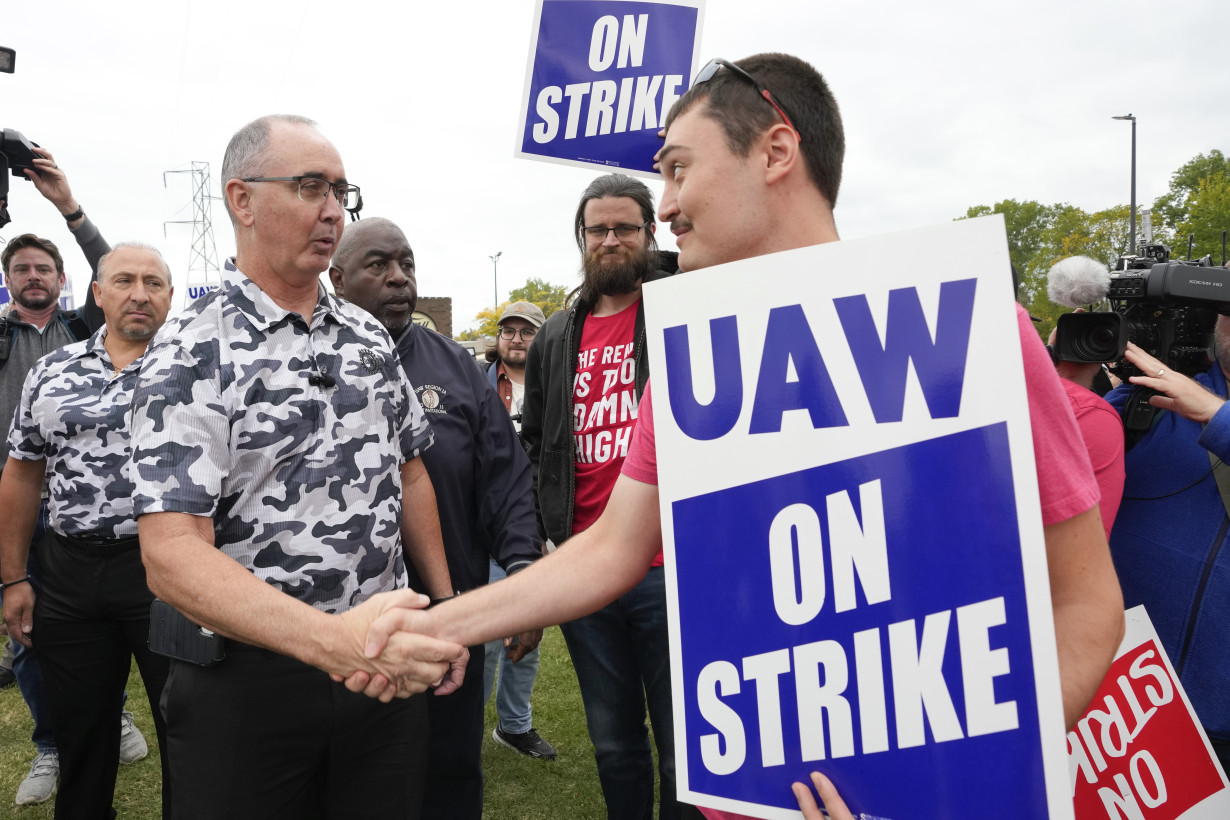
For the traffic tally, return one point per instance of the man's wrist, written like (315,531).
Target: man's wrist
(1212,408)
(73,215)
(441,600)
(331,646)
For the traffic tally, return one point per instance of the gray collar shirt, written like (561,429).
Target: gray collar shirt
(73,412)
(289,434)
(28,345)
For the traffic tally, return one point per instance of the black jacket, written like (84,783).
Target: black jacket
(477,467)
(546,417)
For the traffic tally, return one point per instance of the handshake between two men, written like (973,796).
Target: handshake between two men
(388,657)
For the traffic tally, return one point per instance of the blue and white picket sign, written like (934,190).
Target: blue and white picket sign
(197,289)
(855,559)
(601,77)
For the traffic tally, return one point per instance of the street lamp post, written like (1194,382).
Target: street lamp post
(1132,235)
(495,276)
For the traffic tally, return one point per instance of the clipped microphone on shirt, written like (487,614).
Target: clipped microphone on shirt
(322,379)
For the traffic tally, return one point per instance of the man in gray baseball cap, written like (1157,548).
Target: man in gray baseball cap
(515,729)
(523,310)
(518,324)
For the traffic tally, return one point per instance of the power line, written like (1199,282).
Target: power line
(203,272)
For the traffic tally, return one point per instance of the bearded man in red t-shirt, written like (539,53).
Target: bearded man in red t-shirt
(584,377)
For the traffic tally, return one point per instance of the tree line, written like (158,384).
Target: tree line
(1197,204)
(542,293)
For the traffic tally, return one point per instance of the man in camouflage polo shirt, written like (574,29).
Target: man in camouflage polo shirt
(92,612)
(34,326)
(276,446)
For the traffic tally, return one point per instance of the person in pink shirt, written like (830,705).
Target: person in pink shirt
(1101,429)
(750,172)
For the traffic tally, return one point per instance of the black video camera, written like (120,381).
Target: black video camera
(1168,308)
(16,155)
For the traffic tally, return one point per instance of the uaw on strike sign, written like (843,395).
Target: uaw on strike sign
(855,558)
(601,77)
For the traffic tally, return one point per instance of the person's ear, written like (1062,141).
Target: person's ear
(780,145)
(239,199)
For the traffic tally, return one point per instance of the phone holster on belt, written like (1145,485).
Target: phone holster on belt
(173,635)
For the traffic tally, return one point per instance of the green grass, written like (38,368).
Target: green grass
(517,788)
(524,788)
(138,788)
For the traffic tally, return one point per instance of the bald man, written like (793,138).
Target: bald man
(71,434)
(482,479)
(280,496)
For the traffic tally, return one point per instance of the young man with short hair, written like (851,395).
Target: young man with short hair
(752,164)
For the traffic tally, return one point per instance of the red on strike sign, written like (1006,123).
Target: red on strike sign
(1138,753)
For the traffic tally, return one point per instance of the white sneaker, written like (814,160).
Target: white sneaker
(132,743)
(40,783)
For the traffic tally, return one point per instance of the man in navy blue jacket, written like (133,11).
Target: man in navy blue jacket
(481,475)
(1170,537)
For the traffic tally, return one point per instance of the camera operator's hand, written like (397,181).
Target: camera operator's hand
(52,183)
(1179,393)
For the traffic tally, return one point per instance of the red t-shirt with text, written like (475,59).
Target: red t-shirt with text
(603,409)
(604,406)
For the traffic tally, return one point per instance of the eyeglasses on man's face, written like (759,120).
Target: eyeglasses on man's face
(599,233)
(526,333)
(314,189)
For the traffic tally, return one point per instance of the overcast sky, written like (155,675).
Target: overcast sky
(945,105)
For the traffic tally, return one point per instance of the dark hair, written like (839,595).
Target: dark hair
(615,185)
(29,240)
(744,115)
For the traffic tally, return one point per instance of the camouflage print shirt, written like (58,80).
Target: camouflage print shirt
(302,478)
(73,412)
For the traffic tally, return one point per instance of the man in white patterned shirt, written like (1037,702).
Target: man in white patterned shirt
(276,450)
(92,612)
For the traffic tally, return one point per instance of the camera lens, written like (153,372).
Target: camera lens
(1103,338)
(1091,337)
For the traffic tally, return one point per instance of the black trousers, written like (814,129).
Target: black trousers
(90,618)
(264,736)
(455,751)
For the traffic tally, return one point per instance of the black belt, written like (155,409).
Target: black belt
(98,544)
